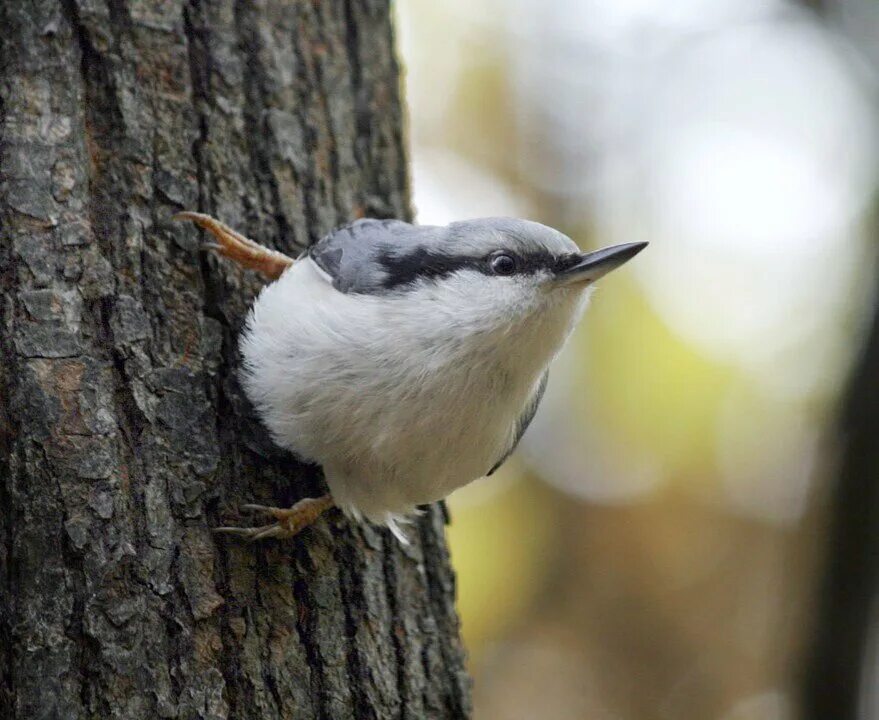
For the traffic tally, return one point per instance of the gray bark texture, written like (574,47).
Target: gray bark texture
(124,436)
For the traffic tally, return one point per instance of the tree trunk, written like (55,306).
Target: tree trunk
(124,435)
(840,665)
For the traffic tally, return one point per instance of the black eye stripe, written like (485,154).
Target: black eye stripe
(406,269)
(420,263)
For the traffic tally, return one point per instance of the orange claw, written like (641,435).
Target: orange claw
(242,250)
(289,521)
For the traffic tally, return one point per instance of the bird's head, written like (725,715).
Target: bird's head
(513,251)
(485,272)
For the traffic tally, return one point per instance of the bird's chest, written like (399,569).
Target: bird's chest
(449,413)
(418,427)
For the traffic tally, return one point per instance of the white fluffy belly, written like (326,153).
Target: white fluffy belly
(418,456)
(396,417)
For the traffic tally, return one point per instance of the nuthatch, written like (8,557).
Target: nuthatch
(406,360)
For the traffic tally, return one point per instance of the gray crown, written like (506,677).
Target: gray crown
(377,256)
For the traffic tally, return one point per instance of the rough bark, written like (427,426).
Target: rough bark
(124,436)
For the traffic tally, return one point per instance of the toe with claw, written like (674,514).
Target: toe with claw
(240,249)
(288,521)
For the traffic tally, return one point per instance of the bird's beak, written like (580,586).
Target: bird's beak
(594,265)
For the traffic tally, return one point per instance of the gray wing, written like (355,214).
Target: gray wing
(524,420)
(357,256)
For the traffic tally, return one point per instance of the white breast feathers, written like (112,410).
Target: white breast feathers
(401,397)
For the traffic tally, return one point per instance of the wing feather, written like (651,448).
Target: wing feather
(352,255)
(524,420)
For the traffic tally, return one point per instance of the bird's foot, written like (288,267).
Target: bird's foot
(289,521)
(238,248)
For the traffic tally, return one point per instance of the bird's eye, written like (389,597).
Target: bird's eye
(503,264)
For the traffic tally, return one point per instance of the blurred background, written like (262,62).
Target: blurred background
(687,529)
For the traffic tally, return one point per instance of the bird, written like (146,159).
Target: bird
(406,360)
